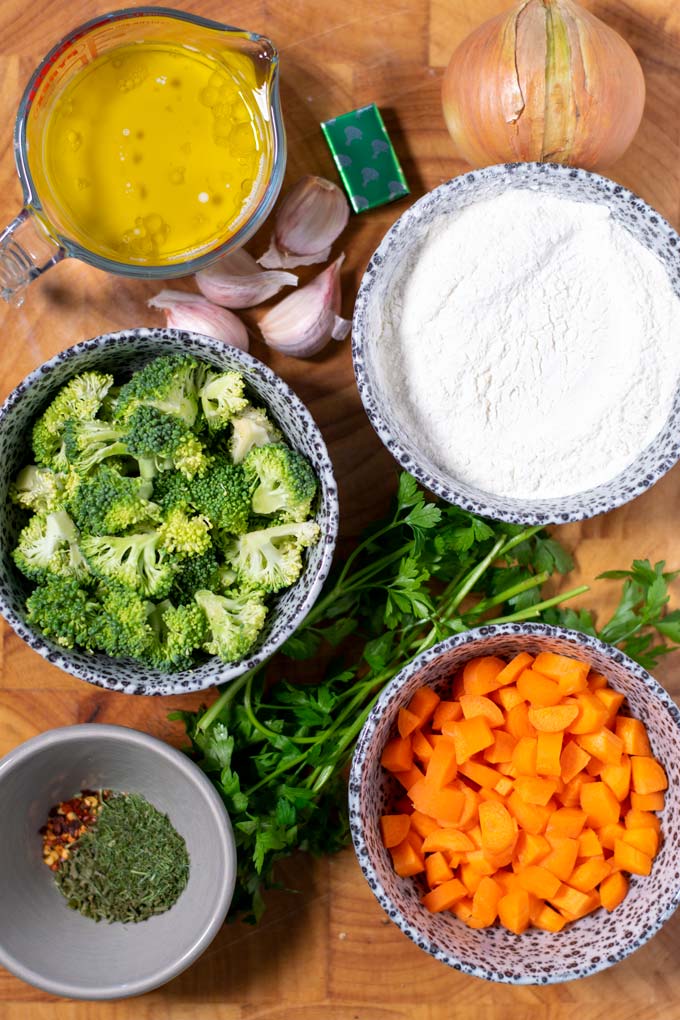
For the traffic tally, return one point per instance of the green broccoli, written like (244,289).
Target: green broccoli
(271,559)
(38,489)
(223,496)
(184,535)
(64,610)
(170,490)
(178,631)
(234,622)
(123,627)
(283,482)
(167,384)
(108,503)
(221,398)
(194,573)
(135,561)
(87,443)
(250,428)
(49,545)
(164,443)
(79,399)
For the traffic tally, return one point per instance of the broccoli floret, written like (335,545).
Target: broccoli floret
(165,443)
(38,489)
(79,399)
(49,545)
(223,496)
(64,610)
(234,622)
(187,536)
(194,573)
(178,632)
(251,428)
(88,443)
(170,490)
(284,483)
(167,384)
(272,558)
(123,625)
(135,561)
(221,398)
(107,503)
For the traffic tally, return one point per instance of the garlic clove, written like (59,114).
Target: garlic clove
(312,215)
(195,313)
(304,322)
(236,281)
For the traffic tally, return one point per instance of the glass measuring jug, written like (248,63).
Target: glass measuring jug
(149,143)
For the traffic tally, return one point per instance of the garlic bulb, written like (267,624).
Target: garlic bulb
(546,80)
(236,281)
(303,323)
(312,215)
(193,312)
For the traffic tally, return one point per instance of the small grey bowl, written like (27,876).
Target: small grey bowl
(58,950)
(384,411)
(123,353)
(584,947)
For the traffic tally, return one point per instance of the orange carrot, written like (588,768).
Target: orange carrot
(602,744)
(407,722)
(647,775)
(437,869)
(600,805)
(446,711)
(554,718)
(394,829)
(647,801)
(406,861)
(397,755)
(513,910)
(629,858)
(501,749)
(442,766)
(476,704)
(516,666)
(470,736)
(634,736)
(480,675)
(548,751)
(613,890)
(499,828)
(538,690)
(485,901)
(572,760)
(423,703)
(534,789)
(592,713)
(444,896)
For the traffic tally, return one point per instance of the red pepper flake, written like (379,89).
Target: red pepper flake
(66,823)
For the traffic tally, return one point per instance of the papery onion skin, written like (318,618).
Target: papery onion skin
(545,81)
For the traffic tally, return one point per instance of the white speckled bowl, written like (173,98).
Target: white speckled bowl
(54,948)
(123,353)
(384,412)
(581,948)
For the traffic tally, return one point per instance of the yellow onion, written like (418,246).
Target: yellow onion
(545,81)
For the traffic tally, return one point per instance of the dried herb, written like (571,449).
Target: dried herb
(130,865)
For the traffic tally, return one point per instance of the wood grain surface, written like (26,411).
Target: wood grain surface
(329,951)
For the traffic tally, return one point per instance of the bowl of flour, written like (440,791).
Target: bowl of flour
(516,343)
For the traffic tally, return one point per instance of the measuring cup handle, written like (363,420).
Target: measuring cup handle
(26,251)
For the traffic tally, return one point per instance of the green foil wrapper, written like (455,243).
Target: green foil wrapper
(365,158)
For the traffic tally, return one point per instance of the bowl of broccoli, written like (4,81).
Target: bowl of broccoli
(170,511)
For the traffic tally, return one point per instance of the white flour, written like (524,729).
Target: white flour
(533,345)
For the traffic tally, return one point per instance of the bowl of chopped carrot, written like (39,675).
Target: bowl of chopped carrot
(513,803)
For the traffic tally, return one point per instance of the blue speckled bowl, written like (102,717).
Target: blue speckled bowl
(581,948)
(125,352)
(648,226)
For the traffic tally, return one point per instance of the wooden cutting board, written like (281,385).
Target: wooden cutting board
(329,950)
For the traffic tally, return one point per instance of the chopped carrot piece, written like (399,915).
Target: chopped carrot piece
(609,834)
(485,901)
(423,703)
(571,902)
(538,690)
(409,778)
(634,736)
(602,744)
(394,829)
(548,751)
(534,789)
(480,675)
(423,824)
(513,910)
(641,820)
(524,756)
(547,919)
(504,786)
(629,858)
(447,839)
(648,775)
(645,839)
(516,666)
(647,801)
(592,713)
(570,674)
(499,828)
(531,848)
(507,697)
(567,821)
(590,873)
(442,766)
(588,844)
(437,870)
(571,794)
(446,711)
(532,817)
(476,704)
(600,805)
(422,748)
(444,896)
(539,881)
(406,861)
(613,890)
(444,805)
(470,736)
(572,760)
(397,755)
(416,841)
(554,718)
(407,722)
(517,721)
(501,749)
(468,815)
(612,701)
(617,777)
(463,910)
(562,858)
(484,775)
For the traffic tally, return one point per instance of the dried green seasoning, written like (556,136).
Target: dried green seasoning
(130,865)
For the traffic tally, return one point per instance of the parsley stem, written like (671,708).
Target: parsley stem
(474,575)
(521,537)
(526,614)
(359,581)
(227,695)
(255,722)
(535,581)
